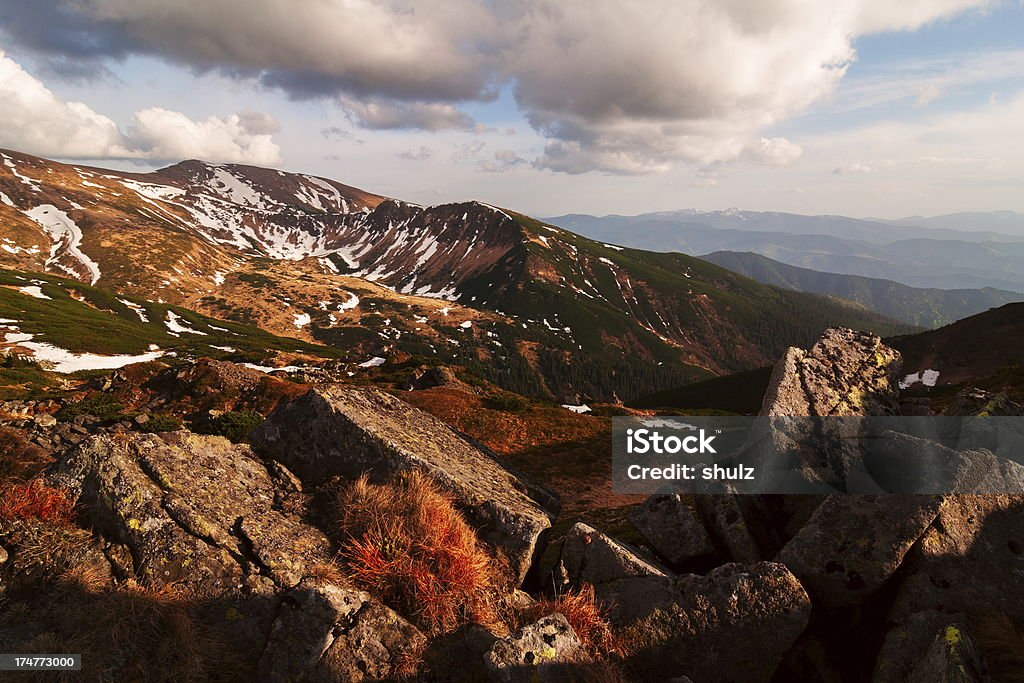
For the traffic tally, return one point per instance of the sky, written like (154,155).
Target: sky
(853,107)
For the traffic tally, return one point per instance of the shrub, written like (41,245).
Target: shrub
(161,423)
(102,406)
(409,545)
(233,424)
(510,403)
(35,500)
(15,361)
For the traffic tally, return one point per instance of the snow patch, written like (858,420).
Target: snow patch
(175,323)
(373,362)
(926,377)
(64,233)
(34,291)
(583,408)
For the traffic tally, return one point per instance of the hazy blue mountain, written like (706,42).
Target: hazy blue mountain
(911,255)
(929,307)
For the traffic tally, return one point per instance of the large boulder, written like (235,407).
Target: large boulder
(198,511)
(337,430)
(541,652)
(845,373)
(671,529)
(734,624)
(970,558)
(325,633)
(590,556)
(852,544)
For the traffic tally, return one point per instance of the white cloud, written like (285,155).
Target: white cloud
(853,167)
(622,87)
(35,120)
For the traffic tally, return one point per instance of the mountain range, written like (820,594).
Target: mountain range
(932,255)
(532,307)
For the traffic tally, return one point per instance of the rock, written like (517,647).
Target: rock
(953,657)
(429,378)
(908,646)
(671,529)
(3,555)
(845,374)
(347,431)
(537,652)
(141,419)
(195,510)
(589,556)
(735,624)
(852,544)
(908,464)
(724,518)
(978,402)
(967,559)
(329,633)
(44,420)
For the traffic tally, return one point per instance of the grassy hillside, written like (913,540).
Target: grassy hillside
(84,319)
(913,305)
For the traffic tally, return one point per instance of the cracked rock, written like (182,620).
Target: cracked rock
(194,510)
(590,556)
(535,653)
(338,430)
(326,633)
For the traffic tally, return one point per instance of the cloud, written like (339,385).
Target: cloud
(36,120)
(504,160)
(853,167)
(379,114)
(421,154)
(620,87)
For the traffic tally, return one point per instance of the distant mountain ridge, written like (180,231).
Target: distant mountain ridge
(928,308)
(911,255)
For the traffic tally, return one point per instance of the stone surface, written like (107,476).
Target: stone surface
(195,510)
(908,645)
(852,544)
(337,430)
(734,624)
(971,557)
(723,516)
(671,529)
(953,657)
(329,633)
(590,556)
(537,652)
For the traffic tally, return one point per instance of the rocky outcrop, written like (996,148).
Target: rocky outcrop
(346,431)
(929,641)
(590,556)
(330,633)
(844,373)
(852,544)
(193,510)
(967,559)
(734,624)
(535,653)
(671,529)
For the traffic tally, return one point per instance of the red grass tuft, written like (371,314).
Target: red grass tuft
(587,618)
(409,545)
(35,500)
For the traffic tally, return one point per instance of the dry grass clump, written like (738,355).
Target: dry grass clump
(35,500)
(408,545)
(1002,645)
(587,618)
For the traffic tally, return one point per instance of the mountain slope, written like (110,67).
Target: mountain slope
(534,308)
(916,306)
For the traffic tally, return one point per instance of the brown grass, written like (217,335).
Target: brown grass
(1002,644)
(587,618)
(35,500)
(409,545)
